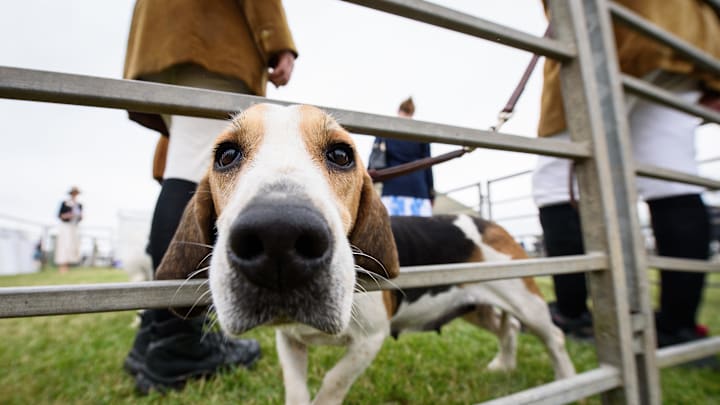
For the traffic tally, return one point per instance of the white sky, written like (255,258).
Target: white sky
(350,57)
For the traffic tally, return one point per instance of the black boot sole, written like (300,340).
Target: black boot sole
(146,381)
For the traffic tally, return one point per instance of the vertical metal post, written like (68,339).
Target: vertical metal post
(481,199)
(595,113)
(614,115)
(44,251)
(489,199)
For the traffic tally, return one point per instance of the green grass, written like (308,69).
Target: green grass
(76,359)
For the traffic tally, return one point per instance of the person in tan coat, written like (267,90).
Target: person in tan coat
(660,136)
(227,45)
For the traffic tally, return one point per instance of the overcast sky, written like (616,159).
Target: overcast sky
(350,57)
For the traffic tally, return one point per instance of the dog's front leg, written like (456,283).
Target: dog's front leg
(360,353)
(293,360)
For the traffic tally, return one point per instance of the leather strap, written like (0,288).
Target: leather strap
(405,168)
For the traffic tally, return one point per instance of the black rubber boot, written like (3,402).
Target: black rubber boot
(180,350)
(136,357)
(562,236)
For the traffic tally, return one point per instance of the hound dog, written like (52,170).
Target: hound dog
(291,216)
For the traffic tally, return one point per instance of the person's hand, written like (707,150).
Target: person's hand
(281,72)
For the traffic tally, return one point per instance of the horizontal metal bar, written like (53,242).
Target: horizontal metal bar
(683,353)
(89,298)
(72,299)
(34,85)
(131,95)
(461,188)
(444,274)
(509,176)
(512,199)
(440,16)
(515,217)
(709,160)
(651,92)
(401,128)
(583,385)
(633,20)
(657,172)
(24,221)
(673,263)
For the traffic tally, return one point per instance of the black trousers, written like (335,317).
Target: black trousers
(174,196)
(681,226)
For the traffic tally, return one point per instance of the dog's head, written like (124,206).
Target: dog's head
(287,205)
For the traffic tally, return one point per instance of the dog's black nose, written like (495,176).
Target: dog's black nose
(280,246)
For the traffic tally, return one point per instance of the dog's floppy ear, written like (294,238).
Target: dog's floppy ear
(372,234)
(191,246)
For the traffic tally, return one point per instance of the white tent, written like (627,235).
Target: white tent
(16,253)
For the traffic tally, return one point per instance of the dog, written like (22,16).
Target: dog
(287,216)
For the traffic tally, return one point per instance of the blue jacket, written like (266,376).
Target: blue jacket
(418,184)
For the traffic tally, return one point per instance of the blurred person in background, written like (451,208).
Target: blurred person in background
(411,194)
(660,136)
(67,247)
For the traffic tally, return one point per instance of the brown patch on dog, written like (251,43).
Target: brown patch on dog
(476,255)
(500,240)
(247,131)
(372,235)
(391,302)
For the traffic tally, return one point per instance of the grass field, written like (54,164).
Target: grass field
(76,359)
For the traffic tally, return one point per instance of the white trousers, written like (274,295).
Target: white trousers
(190,148)
(660,136)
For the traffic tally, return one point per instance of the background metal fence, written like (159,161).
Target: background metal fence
(593,89)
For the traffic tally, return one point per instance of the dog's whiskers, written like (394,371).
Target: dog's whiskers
(196,272)
(183,242)
(207,256)
(376,277)
(355,319)
(358,252)
(197,301)
(204,284)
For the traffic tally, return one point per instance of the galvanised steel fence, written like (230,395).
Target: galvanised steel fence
(593,89)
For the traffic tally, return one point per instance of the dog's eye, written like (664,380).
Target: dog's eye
(341,155)
(227,154)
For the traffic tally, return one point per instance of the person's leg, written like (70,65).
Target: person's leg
(174,195)
(562,236)
(681,227)
(665,137)
(168,350)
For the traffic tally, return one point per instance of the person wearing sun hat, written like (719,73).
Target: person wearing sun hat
(67,247)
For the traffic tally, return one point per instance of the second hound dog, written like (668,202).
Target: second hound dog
(291,216)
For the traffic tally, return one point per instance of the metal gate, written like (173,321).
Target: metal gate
(593,92)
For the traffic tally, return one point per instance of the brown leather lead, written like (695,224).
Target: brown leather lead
(405,168)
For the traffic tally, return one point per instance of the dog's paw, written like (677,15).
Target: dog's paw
(500,364)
